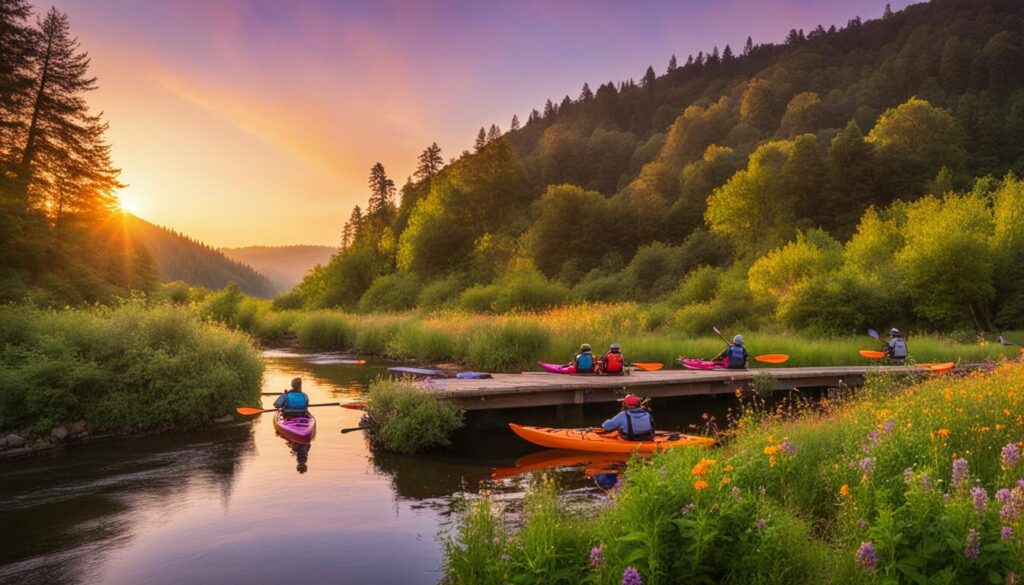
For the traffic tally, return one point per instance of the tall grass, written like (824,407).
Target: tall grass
(901,484)
(130,367)
(514,341)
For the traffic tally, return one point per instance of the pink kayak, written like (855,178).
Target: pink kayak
(557,369)
(695,364)
(298,429)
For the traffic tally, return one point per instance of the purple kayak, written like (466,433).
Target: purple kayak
(695,364)
(297,429)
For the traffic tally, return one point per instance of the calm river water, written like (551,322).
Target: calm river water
(228,505)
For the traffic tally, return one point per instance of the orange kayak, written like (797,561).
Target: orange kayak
(554,458)
(601,442)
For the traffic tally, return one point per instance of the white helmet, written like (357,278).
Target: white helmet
(738,340)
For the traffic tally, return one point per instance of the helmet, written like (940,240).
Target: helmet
(296,383)
(615,346)
(738,340)
(894,332)
(631,401)
(585,347)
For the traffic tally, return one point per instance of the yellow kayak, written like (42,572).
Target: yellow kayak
(602,442)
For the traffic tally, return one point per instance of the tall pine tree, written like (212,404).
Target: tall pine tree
(380,210)
(429,162)
(16,40)
(481,140)
(514,125)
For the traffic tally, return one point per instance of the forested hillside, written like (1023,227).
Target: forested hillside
(834,179)
(178,257)
(62,239)
(283,265)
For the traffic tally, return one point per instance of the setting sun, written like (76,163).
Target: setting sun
(128,205)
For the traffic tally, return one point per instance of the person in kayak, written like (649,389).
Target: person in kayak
(584,360)
(735,356)
(633,422)
(294,401)
(612,362)
(896,348)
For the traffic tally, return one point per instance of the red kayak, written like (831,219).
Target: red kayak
(297,429)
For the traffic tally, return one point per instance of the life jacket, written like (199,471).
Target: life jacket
(295,403)
(639,425)
(584,363)
(735,357)
(613,362)
(897,348)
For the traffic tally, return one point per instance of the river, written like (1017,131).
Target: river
(230,504)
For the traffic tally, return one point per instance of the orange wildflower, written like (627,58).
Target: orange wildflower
(700,484)
(844,491)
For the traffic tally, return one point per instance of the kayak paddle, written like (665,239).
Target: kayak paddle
(719,332)
(875,355)
(349,430)
(939,367)
(246,410)
(772,358)
(647,367)
(1005,341)
(873,333)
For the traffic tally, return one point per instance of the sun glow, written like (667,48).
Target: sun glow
(128,205)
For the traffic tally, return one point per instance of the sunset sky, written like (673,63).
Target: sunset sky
(243,123)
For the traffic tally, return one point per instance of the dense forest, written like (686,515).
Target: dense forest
(62,239)
(854,174)
(179,257)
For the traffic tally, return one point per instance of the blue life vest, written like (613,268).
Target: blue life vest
(295,403)
(736,356)
(585,363)
(897,348)
(639,425)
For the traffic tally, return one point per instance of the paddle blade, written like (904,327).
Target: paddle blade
(872,354)
(346,431)
(355,405)
(873,333)
(245,410)
(648,367)
(773,358)
(940,368)
(717,330)
(1005,341)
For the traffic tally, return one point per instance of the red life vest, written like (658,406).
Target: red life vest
(613,362)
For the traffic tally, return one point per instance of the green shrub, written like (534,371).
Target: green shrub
(528,290)
(393,292)
(480,298)
(127,368)
(601,286)
(698,286)
(474,553)
(419,340)
(441,293)
(408,419)
(222,306)
(324,330)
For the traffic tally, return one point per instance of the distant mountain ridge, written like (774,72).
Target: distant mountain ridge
(284,265)
(179,257)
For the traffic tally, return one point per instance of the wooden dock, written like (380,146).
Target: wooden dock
(544,389)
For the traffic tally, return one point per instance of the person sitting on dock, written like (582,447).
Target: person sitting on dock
(612,362)
(735,356)
(633,422)
(584,360)
(896,348)
(294,401)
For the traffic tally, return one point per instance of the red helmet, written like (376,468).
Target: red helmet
(631,401)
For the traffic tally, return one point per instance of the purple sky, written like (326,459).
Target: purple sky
(257,122)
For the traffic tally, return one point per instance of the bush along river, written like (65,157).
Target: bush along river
(239,503)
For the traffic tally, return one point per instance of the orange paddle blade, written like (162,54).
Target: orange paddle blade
(875,355)
(939,368)
(773,358)
(245,410)
(648,367)
(355,405)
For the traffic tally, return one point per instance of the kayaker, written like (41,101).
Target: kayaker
(584,360)
(633,422)
(896,348)
(294,401)
(735,356)
(612,361)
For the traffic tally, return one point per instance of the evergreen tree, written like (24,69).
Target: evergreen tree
(493,133)
(672,64)
(534,116)
(748,48)
(381,206)
(64,158)
(566,103)
(430,162)
(689,61)
(585,94)
(649,77)
(514,125)
(481,140)
(727,56)
(16,39)
(353,227)
(549,109)
(887,13)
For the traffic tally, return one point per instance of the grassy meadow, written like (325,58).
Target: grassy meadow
(899,484)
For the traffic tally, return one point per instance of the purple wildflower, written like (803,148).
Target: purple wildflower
(687,509)
(866,556)
(788,448)
(961,470)
(1013,504)
(872,438)
(1003,495)
(862,524)
(505,558)
(1006,533)
(908,475)
(597,556)
(972,549)
(945,498)
(1020,483)
(867,465)
(761,523)
(1010,454)
(889,426)
(631,577)
(926,483)
(980,497)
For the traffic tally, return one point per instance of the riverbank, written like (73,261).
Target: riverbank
(74,374)
(515,342)
(903,482)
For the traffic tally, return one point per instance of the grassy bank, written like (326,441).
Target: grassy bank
(128,368)
(515,342)
(899,485)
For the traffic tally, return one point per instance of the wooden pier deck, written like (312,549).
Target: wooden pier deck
(544,389)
